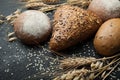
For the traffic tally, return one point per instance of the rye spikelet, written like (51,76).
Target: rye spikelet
(76,62)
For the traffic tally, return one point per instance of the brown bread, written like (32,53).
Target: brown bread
(71,26)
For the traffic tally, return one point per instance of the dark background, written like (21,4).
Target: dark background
(19,61)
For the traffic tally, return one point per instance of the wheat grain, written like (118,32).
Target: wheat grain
(12,39)
(91,76)
(96,65)
(11,34)
(111,70)
(105,68)
(103,74)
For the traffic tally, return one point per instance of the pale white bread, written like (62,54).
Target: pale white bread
(32,27)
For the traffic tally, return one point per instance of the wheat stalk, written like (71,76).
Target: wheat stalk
(111,57)
(77,62)
(97,67)
(112,69)
(39,5)
(105,68)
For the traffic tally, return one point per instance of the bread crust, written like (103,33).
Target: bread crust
(28,38)
(71,26)
(106,9)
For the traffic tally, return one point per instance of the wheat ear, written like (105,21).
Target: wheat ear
(74,75)
(76,62)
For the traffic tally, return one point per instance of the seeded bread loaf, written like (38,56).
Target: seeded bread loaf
(72,25)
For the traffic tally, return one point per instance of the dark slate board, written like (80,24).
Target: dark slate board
(19,61)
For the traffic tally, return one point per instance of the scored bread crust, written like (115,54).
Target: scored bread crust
(72,25)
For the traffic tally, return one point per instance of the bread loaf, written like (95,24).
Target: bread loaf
(106,9)
(32,27)
(71,26)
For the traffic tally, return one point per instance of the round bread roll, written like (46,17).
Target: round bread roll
(107,39)
(106,9)
(32,27)
(72,25)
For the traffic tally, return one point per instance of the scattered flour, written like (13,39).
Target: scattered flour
(36,23)
(111,4)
